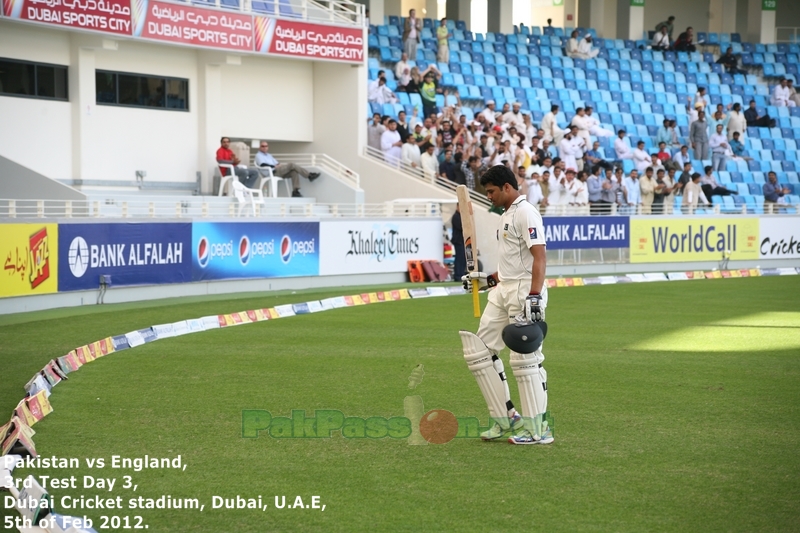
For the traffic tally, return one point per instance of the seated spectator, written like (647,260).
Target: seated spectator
(374,83)
(665,158)
(632,194)
(594,125)
(737,148)
(781,94)
(552,132)
(621,147)
(641,158)
(572,44)
(754,120)
(391,145)
(488,114)
(710,186)
(410,154)
(730,62)
(664,135)
(667,24)
(647,186)
(582,122)
(774,194)
(596,157)
(719,149)
(265,159)
(682,157)
(793,96)
(514,117)
(225,156)
(414,82)
(661,39)
(581,48)
(684,41)
(381,94)
(692,195)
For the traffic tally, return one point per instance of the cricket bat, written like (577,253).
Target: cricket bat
(470,243)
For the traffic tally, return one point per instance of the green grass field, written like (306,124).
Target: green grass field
(676,405)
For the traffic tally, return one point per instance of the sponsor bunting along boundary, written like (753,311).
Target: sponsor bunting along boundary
(16,435)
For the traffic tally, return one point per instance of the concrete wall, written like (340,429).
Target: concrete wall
(18,182)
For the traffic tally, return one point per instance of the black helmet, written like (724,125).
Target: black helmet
(525,337)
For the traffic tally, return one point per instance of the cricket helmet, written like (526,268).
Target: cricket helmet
(524,337)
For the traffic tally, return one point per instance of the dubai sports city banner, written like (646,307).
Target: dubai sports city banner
(574,233)
(191,25)
(30,259)
(360,246)
(131,253)
(681,239)
(231,250)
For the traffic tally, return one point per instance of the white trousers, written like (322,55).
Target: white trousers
(506,301)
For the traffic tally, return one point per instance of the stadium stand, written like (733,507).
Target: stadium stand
(629,86)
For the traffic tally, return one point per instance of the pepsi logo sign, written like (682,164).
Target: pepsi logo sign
(244,250)
(286,249)
(202,252)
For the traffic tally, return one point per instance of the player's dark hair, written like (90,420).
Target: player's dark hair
(498,176)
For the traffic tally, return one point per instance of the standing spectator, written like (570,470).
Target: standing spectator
(374,132)
(402,126)
(552,132)
(595,189)
(608,193)
(457,240)
(621,147)
(664,134)
(428,91)
(667,24)
(582,122)
(736,121)
(412,32)
(557,187)
(686,175)
(641,158)
(381,94)
(391,144)
(568,152)
(773,193)
(514,117)
(780,95)
(698,136)
(684,41)
(710,186)
(633,193)
(442,35)
(402,72)
(579,194)
(719,149)
(473,169)
(754,120)
(225,156)
(661,39)
(410,154)
(489,114)
(647,186)
(730,62)
(702,97)
(283,170)
(692,194)
(594,125)
(662,196)
(719,119)
(672,187)
(447,168)
(535,193)
(428,161)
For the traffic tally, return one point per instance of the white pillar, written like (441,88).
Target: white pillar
(209,106)
(83,97)
(761,21)
(506,16)
(636,20)
(722,16)
(597,16)
(768,21)
(570,14)
(376,12)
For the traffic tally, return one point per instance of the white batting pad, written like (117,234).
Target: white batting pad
(532,384)
(489,374)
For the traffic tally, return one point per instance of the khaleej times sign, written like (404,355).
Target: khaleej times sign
(131,253)
(572,233)
(779,237)
(374,246)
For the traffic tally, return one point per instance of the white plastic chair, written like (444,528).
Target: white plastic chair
(246,196)
(268,176)
(223,180)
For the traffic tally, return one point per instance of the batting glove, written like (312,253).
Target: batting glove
(534,308)
(485,281)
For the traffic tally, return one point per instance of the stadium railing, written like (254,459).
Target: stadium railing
(204,207)
(787,34)
(321,161)
(418,174)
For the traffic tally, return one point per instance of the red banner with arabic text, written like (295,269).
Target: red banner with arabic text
(313,41)
(110,16)
(196,26)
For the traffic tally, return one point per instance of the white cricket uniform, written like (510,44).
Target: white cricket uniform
(520,228)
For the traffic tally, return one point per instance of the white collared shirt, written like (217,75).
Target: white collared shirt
(520,228)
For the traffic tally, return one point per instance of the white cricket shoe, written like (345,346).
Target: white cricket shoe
(526,437)
(497,431)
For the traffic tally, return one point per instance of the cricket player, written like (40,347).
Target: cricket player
(520,295)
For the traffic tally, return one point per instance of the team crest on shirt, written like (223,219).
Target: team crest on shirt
(532,232)
(505,228)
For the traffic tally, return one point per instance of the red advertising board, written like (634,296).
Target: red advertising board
(109,16)
(195,26)
(312,41)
